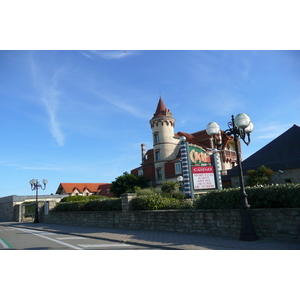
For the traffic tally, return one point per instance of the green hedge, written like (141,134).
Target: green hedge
(29,208)
(92,205)
(158,202)
(103,205)
(270,196)
(80,198)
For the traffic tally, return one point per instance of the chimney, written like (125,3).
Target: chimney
(143,152)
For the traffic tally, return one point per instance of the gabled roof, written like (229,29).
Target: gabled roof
(201,138)
(69,188)
(283,153)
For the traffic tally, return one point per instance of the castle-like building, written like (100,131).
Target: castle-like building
(163,161)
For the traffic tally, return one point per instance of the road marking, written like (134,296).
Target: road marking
(5,243)
(102,245)
(71,238)
(40,232)
(47,233)
(50,239)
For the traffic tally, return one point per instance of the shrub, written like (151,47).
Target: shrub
(127,183)
(272,196)
(92,205)
(29,208)
(103,205)
(147,191)
(76,198)
(219,199)
(259,176)
(169,187)
(158,202)
(69,206)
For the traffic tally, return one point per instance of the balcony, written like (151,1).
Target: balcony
(229,154)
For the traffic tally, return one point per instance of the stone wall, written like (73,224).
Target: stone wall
(6,209)
(275,223)
(10,206)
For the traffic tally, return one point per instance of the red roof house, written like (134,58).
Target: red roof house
(84,189)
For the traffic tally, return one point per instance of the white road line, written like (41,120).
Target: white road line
(3,244)
(71,238)
(102,245)
(42,232)
(53,240)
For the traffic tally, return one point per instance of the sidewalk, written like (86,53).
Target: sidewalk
(164,239)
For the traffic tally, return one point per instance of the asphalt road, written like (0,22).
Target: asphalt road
(30,239)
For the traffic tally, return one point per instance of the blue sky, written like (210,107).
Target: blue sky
(80,116)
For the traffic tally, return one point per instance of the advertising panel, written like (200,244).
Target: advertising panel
(198,156)
(203,177)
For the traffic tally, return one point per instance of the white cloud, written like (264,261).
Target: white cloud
(42,168)
(110,54)
(272,131)
(51,107)
(49,93)
(122,104)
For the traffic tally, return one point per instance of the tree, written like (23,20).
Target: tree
(127,183)
(259,176)
(169,187)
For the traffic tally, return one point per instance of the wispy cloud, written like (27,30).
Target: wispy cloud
(50,99)
(122,104)
(133,110)
(41,167)
(272,131)
(108,54)
(230,103)
(49,93)
(45,168)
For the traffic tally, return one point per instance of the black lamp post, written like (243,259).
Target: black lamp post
(35,185)
(240,127)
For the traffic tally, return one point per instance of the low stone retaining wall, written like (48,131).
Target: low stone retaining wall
(275,223)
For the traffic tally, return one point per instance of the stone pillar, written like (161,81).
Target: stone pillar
(126,198)
(18,212)
(22,213)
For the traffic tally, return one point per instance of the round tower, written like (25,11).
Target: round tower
(164,143)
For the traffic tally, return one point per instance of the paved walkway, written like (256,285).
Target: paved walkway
(165,239)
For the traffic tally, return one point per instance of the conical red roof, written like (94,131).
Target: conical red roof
(161,110)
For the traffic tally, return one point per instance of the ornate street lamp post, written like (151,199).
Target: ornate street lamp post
(35,185)
(240,127)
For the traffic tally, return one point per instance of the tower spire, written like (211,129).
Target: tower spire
(161,110)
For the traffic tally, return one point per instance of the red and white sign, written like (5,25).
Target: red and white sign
(203,177)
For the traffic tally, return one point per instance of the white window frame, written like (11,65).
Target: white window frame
(178,169)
